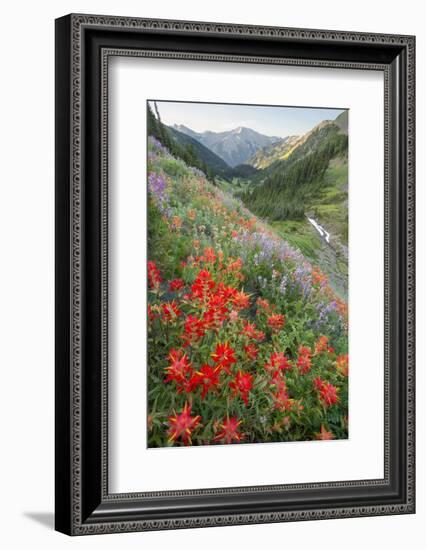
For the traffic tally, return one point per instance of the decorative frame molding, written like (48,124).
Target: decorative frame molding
(84,43)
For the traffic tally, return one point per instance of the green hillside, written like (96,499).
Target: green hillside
(247,340)
(291,186)
(330,205)
(274,152)
(216,165)
(342,121)
(286,183)
(188,149)
(311,182)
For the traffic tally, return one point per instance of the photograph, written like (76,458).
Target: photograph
(234,224)
(247,272)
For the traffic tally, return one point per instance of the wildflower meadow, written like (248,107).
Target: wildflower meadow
(247,340)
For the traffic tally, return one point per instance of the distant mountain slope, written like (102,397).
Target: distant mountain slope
(187,131)
(234,146)
(275,151)
(279,154)
(213,161)
(302,180)
(188,149)
(342,122)
(282,149)
(287,188)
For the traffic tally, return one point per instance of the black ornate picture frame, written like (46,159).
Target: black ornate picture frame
(84,43)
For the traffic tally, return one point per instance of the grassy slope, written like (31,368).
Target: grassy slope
(193,210)
(300,234)
(331,259)
(330,208)
(274,152)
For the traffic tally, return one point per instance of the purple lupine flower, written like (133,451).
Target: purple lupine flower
(302,279)
(328,324)
(197,172)
(157,188)
(156,184)
(268,248)
(156,144)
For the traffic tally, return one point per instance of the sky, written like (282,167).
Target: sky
(267,120)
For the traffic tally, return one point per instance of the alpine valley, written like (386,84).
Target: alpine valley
(297,184)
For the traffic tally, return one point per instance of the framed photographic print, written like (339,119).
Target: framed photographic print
(234,274)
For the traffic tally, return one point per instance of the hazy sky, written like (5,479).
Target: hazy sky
(271,121)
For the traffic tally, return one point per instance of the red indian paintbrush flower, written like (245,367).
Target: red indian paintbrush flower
(151,314)
(324,434)
(303,350)
(213,319)
(342,364)
(318,278)
(252,351)
(207,377)
(263,304)
(170,311)
(304,360)
(194,330)
(227,293)
(321,344)
(202,285)
(282,401)
(276,321)
(178,369)
(182,424)
(278,360)
(241,385)
(235,265)
(241,300)
(154,277)
(280,396)
(176,222)
(209,256)
(229,431)
(251,332)
(327,392)
(217,302)
(216,313)
(224,356)
(318,383)
(176,284)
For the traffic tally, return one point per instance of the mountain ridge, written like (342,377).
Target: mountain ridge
(213,161)
(234,146)
(285,185)
(283,149)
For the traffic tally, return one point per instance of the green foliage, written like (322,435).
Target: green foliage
(342,121)
(215,249)
(329,207)
(200,156)
(301,235)
(163,247)
(185,149)
(291,185)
